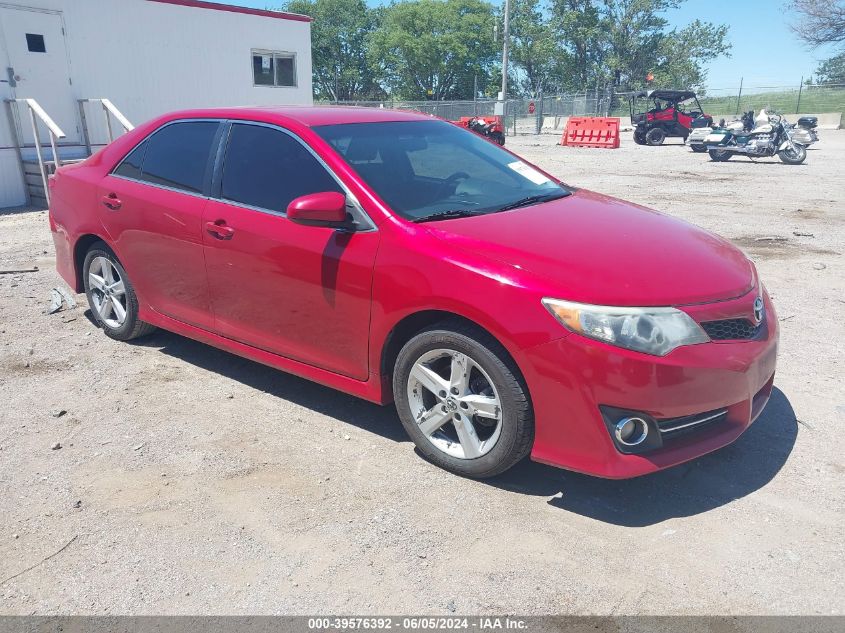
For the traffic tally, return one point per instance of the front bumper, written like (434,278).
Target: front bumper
(571,377)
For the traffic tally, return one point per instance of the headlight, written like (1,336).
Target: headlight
(650,330)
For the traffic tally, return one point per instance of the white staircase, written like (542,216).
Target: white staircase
(39,160)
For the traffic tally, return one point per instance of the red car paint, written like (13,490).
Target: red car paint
(352,291)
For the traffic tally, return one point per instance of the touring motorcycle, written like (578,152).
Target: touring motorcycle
(695,140)
(804,131)
(771,136)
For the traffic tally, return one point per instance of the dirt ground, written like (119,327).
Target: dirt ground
(190,481)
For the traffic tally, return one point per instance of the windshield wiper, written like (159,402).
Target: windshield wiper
(524,202)
(446,215)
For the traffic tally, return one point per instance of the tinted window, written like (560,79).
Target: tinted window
(131,165)
(178,154)
(267,168)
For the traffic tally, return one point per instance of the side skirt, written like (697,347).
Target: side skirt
(372,389)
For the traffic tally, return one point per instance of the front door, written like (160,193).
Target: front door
(303,292)
(34,62)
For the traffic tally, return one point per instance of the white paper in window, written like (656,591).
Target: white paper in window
(526,171)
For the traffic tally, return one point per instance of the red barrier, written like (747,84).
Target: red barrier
(591,131)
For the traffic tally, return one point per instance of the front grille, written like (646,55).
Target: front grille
(731,329)
(672,427)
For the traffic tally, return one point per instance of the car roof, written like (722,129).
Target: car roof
(306,115)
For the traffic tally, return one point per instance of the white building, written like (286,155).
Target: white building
(146,57)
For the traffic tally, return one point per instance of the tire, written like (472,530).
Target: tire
(101,272)
(498,138)
(495,443)
(793,158)
(655,136)
(719,155)
(699,149)
(639,138)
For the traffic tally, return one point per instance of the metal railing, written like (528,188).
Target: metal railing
(36,113)
(109,111)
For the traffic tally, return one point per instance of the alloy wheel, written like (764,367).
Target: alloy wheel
(108,292)
(455,403)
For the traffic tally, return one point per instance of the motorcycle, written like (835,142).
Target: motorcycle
(804,132)
(766,139)
(698,134)
(492,128)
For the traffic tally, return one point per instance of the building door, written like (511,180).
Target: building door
(34,62)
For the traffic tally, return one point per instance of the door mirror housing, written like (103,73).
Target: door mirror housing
(327,208)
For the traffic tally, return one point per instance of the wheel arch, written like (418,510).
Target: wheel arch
(412,324)
(80,249)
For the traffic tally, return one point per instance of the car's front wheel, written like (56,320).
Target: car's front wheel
(462,402)
(111,295)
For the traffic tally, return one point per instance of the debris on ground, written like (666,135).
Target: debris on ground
(59,296)
(56,446)
(819,266)
(139,446)
(18,271)
(800,234)
(771,238)
(57,413)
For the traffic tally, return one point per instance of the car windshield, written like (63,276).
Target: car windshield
(431,170)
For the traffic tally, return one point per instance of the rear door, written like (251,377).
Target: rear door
(152,206)
(303,292)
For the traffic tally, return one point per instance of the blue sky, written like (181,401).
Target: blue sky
(765,52)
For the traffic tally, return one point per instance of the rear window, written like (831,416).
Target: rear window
(175,156)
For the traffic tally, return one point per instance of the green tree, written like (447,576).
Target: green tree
(339,32)
(832,70)
(433,48)
(680,54)
(580,34)
(536,56)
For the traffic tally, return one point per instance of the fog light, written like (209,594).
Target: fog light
(631,431)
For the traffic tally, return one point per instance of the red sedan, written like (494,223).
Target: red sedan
(400,258)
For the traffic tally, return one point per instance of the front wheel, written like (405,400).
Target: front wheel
(655,136)
(698,148)
(794,155)
(111,295)
(461,400)
(719,155)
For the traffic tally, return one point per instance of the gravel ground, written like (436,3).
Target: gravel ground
(190,481)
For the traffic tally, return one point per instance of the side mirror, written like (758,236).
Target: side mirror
(327,208)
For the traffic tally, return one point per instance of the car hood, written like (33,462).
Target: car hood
(600,250)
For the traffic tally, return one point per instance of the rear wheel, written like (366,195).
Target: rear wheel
(794,155)
(655,136)
(111,295)
(498,138)
(461,401)
(719,155)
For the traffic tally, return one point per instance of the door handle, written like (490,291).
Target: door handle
(220,230)
(112,201)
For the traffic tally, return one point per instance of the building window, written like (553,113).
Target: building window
(273,68)
(35,43)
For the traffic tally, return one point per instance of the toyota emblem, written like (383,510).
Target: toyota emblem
(758,310)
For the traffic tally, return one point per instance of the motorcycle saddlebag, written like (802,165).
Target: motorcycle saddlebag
(808,121)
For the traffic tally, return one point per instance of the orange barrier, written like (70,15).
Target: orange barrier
(592,131)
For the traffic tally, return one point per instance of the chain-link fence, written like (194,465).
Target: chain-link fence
(521,116)
(532,115)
